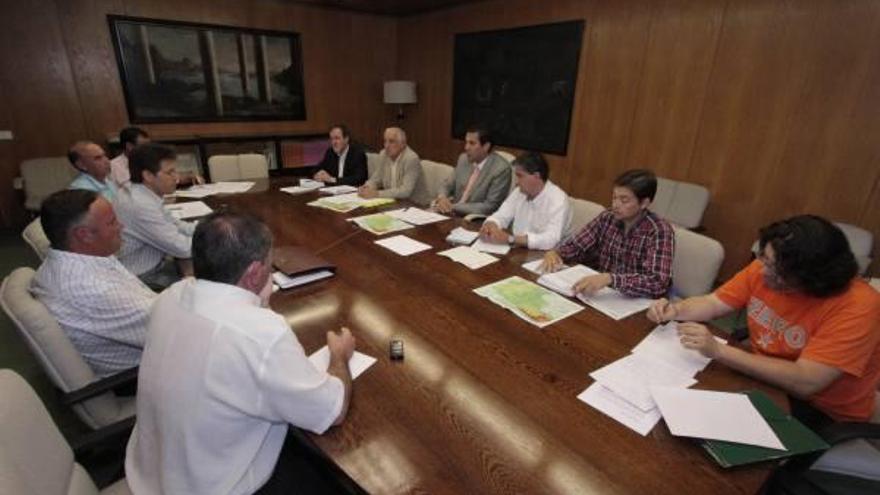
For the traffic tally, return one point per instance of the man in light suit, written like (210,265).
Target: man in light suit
(399,174)
(481,180)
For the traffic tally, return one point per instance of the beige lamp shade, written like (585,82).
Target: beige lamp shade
(400,92)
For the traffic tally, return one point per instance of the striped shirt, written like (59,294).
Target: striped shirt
(102,308)
(639,261)
(149,231)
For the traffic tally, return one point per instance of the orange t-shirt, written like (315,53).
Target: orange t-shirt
(842,331)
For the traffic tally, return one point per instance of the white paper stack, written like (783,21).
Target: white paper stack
(190,209)
(606,300)
(305,186)
(215,188)
(491,247)
(534,266)
(336,190)
(417,216)
(469,257)
(461,235)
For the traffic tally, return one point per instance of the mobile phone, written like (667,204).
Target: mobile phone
(395,349)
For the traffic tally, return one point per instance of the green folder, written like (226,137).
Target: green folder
(797,438)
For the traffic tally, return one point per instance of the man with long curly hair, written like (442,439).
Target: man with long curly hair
(814,326)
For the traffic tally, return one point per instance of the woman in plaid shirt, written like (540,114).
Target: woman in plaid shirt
(628,244)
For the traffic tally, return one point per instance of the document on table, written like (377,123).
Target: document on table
(305,186)
(417,216)
(606,401)
(529,301)
(606,300)
(342,203)
(403,245)
(632,376)
(469,257)
(358,363)
(725,416)
(460,235)
(190,209)
(534,266)
(336,190)
(664,344)
(310,183)
(285,281)
(491,247)
(380,223)
(200,191)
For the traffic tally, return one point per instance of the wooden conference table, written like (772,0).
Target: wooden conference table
(483,402)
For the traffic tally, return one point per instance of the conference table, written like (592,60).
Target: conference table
(483,402)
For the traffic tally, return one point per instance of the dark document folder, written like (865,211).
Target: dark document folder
(294,261)
(797,438)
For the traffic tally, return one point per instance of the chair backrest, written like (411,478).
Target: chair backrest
(582,213)
(54,351)
(681,203)
(695,264)
(372,163)
(860,241)
(506,155)
(36,238)
(435,175)
(44,176)
(35,457)
(238,167)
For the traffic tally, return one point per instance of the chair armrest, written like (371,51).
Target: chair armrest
(99,387)
(106,436)
(841,432)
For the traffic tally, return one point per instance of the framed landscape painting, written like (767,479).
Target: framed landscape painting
(183,72)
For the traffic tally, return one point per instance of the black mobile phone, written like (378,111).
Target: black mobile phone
(395,350)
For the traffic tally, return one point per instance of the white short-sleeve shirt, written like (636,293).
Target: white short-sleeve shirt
(220,380)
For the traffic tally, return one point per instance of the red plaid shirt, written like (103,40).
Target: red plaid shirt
(640,262)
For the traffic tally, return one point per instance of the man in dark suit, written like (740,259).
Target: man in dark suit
(344,163)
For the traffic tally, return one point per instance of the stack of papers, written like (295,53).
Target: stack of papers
(535,265)
(342,203)
(529,301)
(191,209)
(417,216)
(215,188)
(285,281)
(358,363)
(336,190)
(460,235)
(722,416)
(305,185)
(608,301)
(491,247)
(310,183)
(380,223)
(469,257)
(624,389)
(403,245)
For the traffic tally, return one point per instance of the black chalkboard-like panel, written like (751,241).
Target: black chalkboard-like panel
(520,82)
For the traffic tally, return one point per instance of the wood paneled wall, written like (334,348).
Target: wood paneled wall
(59,81)
(773,105)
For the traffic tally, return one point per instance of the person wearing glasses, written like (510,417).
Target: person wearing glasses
(155,245)
(814,325)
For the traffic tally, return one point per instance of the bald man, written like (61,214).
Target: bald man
(94,169)
(399,174)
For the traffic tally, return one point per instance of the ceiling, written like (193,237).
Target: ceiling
(388,7)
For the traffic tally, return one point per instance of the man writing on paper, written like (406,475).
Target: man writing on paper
(814,326)
(481,180)
(538,208)
(344,163)
(629,245)
(223,376)
(399,174)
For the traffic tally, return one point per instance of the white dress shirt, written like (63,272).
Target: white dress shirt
(99,304)
(119,172)
(544,219)
(149,231)
(220,380)
(341,169)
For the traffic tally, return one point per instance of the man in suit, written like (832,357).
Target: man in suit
(343,163)
(399,174)
(481,180)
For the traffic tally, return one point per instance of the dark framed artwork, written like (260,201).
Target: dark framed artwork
(184,72)
(520,82)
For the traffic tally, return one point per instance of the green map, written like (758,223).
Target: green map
(380,223)
(529,301)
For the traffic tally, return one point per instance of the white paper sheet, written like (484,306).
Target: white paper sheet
(298,189)
(606,300)
(714,415)
(403,245)
(417,216)
(469,257)
(618,409)
(491,247)
(460,235)
(310,183)
(664,344)
(358,363)
(533,266)
(632,376)
(285,282)
(189,209)
(336,190)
